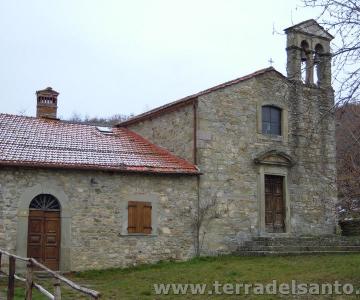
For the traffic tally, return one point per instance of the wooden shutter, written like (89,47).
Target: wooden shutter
(139,217)
(147,217)
(132,209)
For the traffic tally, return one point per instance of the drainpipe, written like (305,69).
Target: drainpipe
(195,104)
(197,250)
(195,124)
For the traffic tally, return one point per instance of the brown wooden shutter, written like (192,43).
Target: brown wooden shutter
(139,217)
(147,217)
(132,210)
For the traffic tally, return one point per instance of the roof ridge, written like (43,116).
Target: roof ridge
(301,23)
(293,27)
(188,99)
(54,120)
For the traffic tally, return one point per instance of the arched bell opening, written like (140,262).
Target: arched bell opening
(318,63)
(305,62)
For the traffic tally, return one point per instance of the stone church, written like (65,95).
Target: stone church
(252,157)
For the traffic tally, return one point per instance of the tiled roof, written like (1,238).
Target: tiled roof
(40,142)
(310,27)
(189,99)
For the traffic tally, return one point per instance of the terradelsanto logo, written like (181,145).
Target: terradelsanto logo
(272,288)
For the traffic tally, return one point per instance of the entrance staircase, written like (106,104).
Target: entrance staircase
(261,246)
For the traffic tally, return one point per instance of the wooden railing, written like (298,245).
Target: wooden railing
(32,264)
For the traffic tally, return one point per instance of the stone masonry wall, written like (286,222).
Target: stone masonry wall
(173,131)
(229,119)
(98,212)
(229,138)
(313,144)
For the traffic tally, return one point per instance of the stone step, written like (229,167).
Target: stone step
(306,240)
(290,248)
(301,245)
(289,253)
(269,241)
(334,244)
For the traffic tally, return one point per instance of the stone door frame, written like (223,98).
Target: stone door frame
(23,215)
(275,171)
(277,163)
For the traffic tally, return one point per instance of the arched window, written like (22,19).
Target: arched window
(271,120)
(45,202)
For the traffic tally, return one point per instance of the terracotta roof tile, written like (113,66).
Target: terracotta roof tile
(38,142)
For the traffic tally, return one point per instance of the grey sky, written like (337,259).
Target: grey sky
(108,57)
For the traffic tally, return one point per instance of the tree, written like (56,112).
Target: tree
(348,159)
(342,19)
(204,210)
(99,121)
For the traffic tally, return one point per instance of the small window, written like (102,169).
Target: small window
(139,217)
(271,120)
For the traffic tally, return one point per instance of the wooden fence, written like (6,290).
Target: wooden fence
(32,264)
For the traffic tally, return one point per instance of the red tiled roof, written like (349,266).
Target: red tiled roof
(189,99)
(39,142)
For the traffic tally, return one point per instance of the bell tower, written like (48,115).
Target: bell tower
(308,54)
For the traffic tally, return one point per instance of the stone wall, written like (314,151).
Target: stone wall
(173,131)
(313,145)
(229,138)
(230,120)
(95,206)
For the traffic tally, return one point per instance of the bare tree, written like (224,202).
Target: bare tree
(342,18)
(99,121)
(204,210)
(348,159)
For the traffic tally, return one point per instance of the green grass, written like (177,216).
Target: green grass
(137,282)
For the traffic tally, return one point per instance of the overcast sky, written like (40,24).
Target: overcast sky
(108,57)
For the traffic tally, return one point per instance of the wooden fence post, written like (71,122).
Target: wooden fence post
(11,281)
(57,289)
(29,281)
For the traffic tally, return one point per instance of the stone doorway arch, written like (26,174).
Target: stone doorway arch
(23,215)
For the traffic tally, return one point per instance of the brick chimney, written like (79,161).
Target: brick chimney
(46,103)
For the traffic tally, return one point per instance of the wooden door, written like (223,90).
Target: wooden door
(274,204)
(44,237)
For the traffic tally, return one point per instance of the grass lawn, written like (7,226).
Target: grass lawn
(137,283)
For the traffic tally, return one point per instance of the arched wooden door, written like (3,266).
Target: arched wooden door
(44,230)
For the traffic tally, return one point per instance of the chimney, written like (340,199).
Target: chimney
(46,103)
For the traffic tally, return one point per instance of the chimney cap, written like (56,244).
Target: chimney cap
(48,90)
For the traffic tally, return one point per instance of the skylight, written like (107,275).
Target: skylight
(105,130)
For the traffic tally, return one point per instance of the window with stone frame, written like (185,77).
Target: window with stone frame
(139,217)
(271,120)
